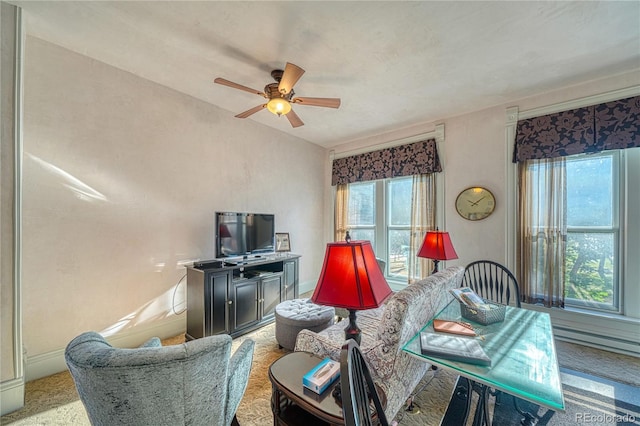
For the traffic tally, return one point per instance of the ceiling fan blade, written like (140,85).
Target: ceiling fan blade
(251,111)
(321,102)
(291,75)
(294,119)
(238,86)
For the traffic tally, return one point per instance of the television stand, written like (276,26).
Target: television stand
(237,297)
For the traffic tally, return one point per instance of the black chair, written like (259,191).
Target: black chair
(492,281)
(358,389)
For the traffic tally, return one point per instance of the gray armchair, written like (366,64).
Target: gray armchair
(195,383)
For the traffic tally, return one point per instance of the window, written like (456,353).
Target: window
(576,246)
(380,211)
(362,212)
(398,225)
(593,236)
(597,201)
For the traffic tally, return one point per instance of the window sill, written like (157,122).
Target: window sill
(570,311)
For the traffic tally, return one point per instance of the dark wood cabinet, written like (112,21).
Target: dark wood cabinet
(272,294)
(244,308)
(217,286)
(290,279)
(207,296)
(236,298)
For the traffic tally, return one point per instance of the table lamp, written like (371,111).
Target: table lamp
(351,279)
(437,246)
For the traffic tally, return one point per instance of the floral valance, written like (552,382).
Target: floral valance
(404,160)
(602,127)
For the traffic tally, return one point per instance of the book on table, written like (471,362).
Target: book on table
(455,348)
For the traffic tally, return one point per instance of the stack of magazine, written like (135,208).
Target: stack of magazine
(449,341)
(469,298)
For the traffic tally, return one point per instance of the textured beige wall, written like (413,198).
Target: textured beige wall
(7,152)
(121,181)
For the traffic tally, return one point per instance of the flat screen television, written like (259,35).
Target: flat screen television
(244,234)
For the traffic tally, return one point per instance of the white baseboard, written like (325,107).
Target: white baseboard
(306,287)
(11,396)
(597,342)
(49,363)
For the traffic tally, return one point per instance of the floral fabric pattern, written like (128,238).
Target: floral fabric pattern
(607,126)
(405,160)
(385,330)
(618,124)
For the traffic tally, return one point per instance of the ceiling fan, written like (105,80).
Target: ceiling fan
(280,95)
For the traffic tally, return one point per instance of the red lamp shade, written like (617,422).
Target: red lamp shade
(437,246)
(351,277)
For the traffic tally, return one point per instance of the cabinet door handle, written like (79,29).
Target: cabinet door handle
(230,302)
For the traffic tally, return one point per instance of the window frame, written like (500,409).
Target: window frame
(372,226)
(618,169)
(382,224)
(388,227)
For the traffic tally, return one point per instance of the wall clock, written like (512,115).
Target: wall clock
(475,203)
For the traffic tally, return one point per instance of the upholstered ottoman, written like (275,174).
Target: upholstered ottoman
(298,314)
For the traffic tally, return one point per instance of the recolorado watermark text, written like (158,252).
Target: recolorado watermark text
(604,418)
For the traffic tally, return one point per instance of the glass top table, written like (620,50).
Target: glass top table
(522,352)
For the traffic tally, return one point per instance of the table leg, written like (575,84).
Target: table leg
(528,418)
(481,416)
(275,404)
(459,405)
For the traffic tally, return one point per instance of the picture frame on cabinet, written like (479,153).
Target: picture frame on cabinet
(283,243)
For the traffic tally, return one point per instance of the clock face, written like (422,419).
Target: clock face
(475,203)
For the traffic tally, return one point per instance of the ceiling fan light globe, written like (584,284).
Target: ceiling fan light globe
(279,106)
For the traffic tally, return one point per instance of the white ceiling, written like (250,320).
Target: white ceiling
(394,64)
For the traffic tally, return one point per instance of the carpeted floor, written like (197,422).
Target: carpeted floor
(54,401)
(588,399)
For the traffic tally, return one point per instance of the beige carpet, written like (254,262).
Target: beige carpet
(610,365)
(53,400)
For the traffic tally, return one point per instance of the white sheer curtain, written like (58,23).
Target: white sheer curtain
(543,230)
(423,219)
(341,212)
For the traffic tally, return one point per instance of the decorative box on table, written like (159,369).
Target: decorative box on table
(322,375)
(489,313)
